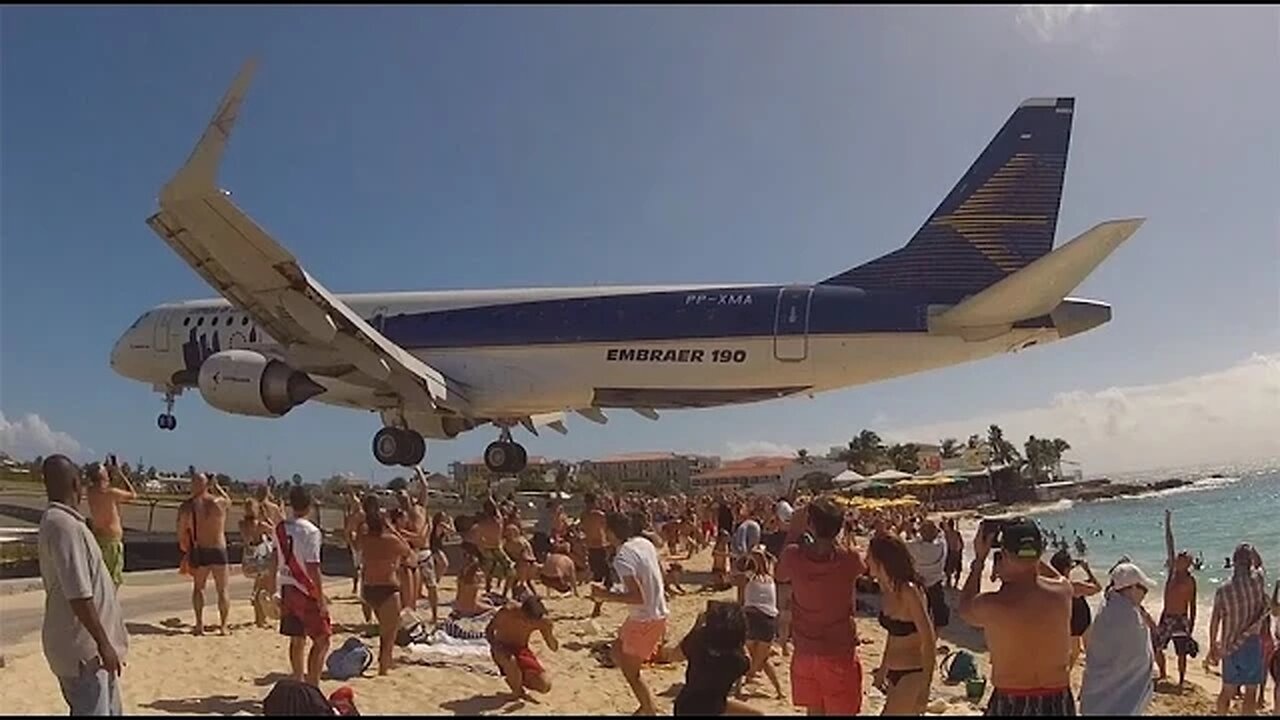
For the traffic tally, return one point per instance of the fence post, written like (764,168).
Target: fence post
(151,515)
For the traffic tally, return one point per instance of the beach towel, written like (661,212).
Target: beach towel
(467,628)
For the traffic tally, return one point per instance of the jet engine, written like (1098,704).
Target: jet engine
(244,382)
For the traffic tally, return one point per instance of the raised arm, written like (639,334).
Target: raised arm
(1168,540)
(129,492)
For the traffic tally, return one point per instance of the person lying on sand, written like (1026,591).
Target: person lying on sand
(508,634)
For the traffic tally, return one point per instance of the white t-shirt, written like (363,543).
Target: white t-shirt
(761,593)
(306,549)
(930,559)
(638,558)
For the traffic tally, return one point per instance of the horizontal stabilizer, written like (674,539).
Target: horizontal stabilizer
(1041,286)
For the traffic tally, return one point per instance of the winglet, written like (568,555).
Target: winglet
(200,173)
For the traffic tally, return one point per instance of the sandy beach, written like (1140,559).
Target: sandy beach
(171,672)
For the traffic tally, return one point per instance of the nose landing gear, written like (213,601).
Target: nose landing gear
(394,446)
(167,421)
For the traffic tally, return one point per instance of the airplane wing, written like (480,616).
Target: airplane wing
(238,258)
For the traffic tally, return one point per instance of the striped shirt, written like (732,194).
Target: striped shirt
(1242,603)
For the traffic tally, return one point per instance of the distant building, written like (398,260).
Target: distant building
(473,479)
(766,475)
(640,472)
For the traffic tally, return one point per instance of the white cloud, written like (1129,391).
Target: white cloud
(1219,418)
(760,447)
(31,436)
(1049,23)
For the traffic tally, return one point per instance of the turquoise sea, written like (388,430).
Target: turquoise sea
(1210,517)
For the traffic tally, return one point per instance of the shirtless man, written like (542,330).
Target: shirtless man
(508,634)
(352,526)
(558,571)
(273,515)
(520,550)
(1027,622)
(494,561)
(104,510)
(203,519)
(1178,618)
(352,519)
(271,509)
(411,523)
(593,531)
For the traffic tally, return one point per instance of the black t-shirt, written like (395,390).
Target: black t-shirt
(709,677)
(725,520)
(774,542)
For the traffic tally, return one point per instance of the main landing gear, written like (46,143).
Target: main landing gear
(505,455)
(393,446)
(167,421)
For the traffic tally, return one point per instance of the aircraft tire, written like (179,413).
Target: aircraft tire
(415,449)
(519,458)
(497,456)
(389,445)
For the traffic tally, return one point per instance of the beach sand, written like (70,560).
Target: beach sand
(171,672)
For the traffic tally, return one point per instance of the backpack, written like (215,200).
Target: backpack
(958,667)
(350,660)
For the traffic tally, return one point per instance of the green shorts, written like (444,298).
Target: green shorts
(113,558)
(496,563)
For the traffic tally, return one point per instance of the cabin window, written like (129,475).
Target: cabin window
(200,322)
(186,321)
(244,320)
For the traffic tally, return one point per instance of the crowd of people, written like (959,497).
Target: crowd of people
(797,567)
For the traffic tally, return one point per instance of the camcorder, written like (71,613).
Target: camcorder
(993,528)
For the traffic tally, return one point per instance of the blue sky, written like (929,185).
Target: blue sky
(412,148)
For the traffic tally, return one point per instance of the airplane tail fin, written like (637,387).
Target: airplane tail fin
(1000,217)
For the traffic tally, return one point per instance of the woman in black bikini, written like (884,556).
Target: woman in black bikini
(911,649)
(383,551)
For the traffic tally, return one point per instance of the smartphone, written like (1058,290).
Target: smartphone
(111,460)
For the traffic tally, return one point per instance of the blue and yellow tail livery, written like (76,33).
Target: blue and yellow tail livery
(1000,217)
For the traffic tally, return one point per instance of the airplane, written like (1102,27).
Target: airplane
(981,277)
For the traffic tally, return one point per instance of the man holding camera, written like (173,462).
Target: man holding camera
(1027,622)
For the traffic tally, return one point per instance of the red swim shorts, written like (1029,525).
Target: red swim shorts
(831,683)
(300,615)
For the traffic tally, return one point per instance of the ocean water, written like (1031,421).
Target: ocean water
(1210,517)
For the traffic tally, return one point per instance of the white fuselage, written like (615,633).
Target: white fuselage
(526,351)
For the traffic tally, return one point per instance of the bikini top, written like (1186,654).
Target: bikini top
(897,628)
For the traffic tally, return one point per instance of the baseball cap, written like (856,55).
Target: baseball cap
(1021,538)
(1127,575)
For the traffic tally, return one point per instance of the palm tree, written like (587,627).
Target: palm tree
(1002,451)
(904,457)
(950,448)
(863,451)
(1060,446)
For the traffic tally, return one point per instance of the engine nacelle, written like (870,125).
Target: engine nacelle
(245,382)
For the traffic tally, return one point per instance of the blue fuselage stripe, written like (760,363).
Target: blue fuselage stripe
(667,315)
